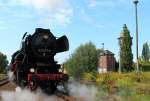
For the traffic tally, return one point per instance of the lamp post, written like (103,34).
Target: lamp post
(103,46)
(136,20)
(103,60)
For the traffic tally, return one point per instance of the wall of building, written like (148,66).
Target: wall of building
(106,63)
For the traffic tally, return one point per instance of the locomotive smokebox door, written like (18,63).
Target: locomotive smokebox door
(43,44)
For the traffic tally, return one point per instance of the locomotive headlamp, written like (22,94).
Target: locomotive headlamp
(60,70)
(32,70)
(45,37)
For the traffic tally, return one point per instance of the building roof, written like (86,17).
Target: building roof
(106,52)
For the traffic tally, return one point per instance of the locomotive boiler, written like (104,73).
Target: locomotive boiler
(34,65)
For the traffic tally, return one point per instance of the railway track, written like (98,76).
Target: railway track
(4,81)
(66,97)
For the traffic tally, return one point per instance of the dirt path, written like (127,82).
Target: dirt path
(8,87)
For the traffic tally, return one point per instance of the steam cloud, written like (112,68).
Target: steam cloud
(77,90)
(85,92)
(26,95)
(82,91)
(10,75)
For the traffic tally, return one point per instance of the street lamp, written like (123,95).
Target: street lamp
(103,46)
(136,18)
(103,59)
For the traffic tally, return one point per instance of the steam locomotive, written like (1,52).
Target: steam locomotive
(34,65)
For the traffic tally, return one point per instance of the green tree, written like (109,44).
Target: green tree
(83,60)
(3,62)
(126,56)
(145,52)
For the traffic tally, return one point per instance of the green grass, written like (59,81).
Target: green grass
(125,86)
(2,76)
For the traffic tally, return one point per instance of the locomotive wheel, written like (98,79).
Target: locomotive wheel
(50,88)
(33,84)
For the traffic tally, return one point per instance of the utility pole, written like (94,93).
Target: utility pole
(103,46)
(137,60)
(103,60)
(119,62)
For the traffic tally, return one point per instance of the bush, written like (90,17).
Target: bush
(145,66)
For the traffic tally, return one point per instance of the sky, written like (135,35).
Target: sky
(98,21)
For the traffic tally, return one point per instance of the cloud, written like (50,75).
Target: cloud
(89,20)
(3,28)
(102,3)
(59,11)
(105,3)
(64,16)
(49,5)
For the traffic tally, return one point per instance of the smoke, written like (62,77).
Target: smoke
(88,92)
(83,91)
(10,75)
(19,96)
(26,95)
(76,89)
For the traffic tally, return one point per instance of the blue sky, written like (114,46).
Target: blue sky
(99,21)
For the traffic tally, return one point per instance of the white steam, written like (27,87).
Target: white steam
(10,75)
(82,91)
(18,89)
(26,95)
(19,96)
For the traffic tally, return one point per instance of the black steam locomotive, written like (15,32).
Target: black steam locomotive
(34,65)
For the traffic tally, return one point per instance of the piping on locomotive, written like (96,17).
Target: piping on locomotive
(34,65)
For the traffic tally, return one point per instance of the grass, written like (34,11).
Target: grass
(125,86)
(2,76)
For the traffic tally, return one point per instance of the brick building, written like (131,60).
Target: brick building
(106,62)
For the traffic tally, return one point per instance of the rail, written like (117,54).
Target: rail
(4,81)
(66,97)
